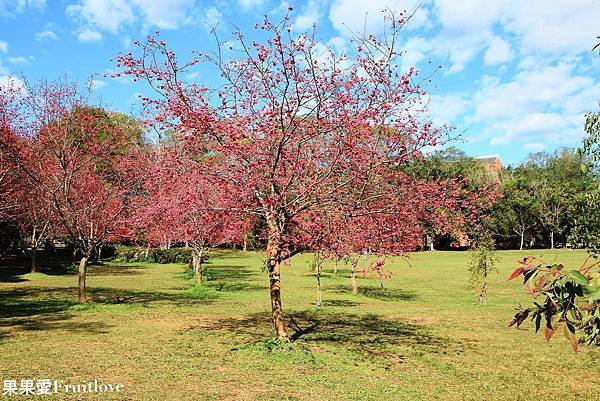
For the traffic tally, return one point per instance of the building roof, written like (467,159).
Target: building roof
(488,158)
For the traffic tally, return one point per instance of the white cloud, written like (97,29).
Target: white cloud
(534,147)
(11,82)
(415,50)
(251,3)
(551,27)
(88,35)
(349,16)
(107,15)
(21,59)
(13,7)
(46,35)
(555,27)
(447,108)
(498,52)
(98,83)
(529,91)
(543,103)
(212,17)
(111,15)
(311,13)
(3,46)
(165,14)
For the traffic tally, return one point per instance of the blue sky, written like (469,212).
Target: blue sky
(518,76)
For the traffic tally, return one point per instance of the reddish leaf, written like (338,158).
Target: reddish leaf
(539,284)
(517,272)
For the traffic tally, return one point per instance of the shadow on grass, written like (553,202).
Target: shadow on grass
(101,269)
(229,273)
(36,308)
(382,294)
(340,303)
(35,296)
(368,335)
(10,274)
(234,286)
(22,314)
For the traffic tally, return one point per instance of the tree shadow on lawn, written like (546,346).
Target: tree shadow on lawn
(10,274)
(24,314)
(229,273)
(369,335)
(42,300)
(233,286)
(382,294)
(101,269)
(37,308)
(340,303)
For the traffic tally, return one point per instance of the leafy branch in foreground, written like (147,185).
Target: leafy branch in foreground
(563,299)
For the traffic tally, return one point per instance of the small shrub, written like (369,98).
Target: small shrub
(133,254)
(172,255)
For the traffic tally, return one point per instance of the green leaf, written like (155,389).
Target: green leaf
(538,321)
(577,277)
(591,291)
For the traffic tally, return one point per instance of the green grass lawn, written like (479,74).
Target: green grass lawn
(422,337)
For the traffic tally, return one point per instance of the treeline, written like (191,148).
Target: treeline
(549,200)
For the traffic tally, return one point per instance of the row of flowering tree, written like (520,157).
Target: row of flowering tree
(304,147)
(308,142)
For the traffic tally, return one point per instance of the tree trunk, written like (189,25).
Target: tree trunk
(522,238)
(335,266)
(551,239)
(319,301)
(33,259)
(195,266)
(245,243)
(82,274)
(273,266)
(483,292)
(197,262)
(353,277)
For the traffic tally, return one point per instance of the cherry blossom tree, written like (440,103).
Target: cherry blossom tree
(11,145)
(188,206)
(308,133)
(80,167)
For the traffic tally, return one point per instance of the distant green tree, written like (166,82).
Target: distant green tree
(515,213)
(557,180)
(586,219)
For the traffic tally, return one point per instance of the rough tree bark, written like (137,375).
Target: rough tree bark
(274,249)
(197,255)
